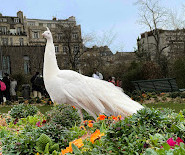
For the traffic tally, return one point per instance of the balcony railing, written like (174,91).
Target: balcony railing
(13,34)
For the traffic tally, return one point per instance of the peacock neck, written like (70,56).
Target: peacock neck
(50,61)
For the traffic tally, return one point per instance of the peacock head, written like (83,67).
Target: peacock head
(47,34)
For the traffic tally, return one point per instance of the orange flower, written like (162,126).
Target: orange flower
(96,135)
(162,93)
(84,121)
(101,117)
(90,125)
(90,121)
(77,142)
(73,107)
(144,95)
(114,118)
(67,150)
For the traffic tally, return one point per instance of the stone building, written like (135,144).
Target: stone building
(124,57)
(22,59)
(171,43)
(21,31)
(95,57)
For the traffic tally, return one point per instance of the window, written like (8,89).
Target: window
(35,35)
(11,41)
(76,49)
(3,29)
(21,40)
(31,23)
(40,24)
(56,49)
(19,30)
(6,64)
(26,64)
(59,36)
(4,20)
(5,41)
(74,35)
(65,49)
(16,20)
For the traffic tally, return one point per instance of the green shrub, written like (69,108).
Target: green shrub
(64,115)
(20,144)
(129,136)
(179,70)
(58,133)
(174,94)
(22,111)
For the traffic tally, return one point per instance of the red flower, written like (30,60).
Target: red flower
(38,124)
(179,140)
(171,142)
(44,121)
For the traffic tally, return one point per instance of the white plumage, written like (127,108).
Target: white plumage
(94,95)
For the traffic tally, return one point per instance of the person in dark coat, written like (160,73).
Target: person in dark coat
(37,85)
(6,80)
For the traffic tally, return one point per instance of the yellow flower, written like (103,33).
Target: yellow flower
(82,127)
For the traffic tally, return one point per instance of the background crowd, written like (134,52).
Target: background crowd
(37,89)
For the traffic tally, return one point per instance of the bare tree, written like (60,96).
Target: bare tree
(70,36)
(103,38)
(154,17)
(36,60)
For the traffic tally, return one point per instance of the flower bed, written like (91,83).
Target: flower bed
(59,131)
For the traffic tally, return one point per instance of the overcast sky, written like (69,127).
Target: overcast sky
(96,16)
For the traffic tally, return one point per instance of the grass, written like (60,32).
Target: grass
(43,109)
(172,105)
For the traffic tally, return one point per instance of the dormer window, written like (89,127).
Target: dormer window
(31,23)
(74,35)
(60,36)
(36,35)
(16,20)
(56,49)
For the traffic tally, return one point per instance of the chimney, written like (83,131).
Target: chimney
(20,15)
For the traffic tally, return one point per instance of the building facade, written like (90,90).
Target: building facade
(171,44)
(25,32)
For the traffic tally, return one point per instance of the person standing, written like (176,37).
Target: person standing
(6,80)
(97,75)
(37,85)
(13,87)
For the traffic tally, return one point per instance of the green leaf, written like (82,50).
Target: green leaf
(76,150)
(46,151)
(150,151)
(166,146)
